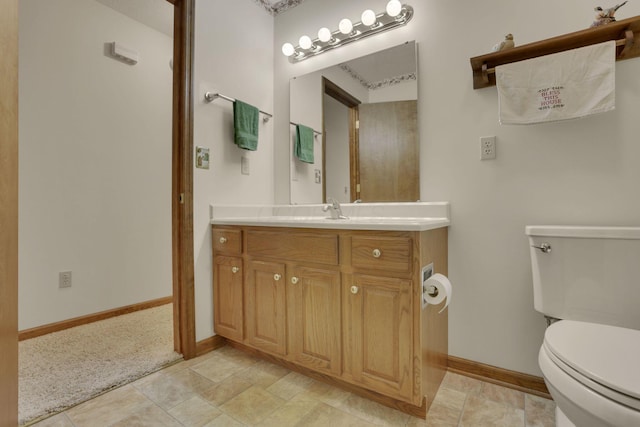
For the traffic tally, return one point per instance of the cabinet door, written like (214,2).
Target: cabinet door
(378,321)
(265,306)
(314,327)
(227,297)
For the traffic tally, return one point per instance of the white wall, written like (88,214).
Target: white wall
(578,172)
(233,56)
(95,162)
(337,175)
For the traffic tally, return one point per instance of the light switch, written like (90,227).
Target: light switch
(244,165)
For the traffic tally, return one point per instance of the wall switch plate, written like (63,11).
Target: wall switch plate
(202,158)
(318,176)
(487,147)
(64,279)
(244,165)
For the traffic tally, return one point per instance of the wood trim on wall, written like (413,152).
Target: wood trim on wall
(90,318)
(504,377)
(9,213)
(209,344)
(182,180)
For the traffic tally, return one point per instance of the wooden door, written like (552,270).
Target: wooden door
(379,324)
(227,297)
(388,152)
(265,306)
(314,308)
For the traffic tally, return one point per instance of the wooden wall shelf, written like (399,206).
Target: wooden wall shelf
(625,32)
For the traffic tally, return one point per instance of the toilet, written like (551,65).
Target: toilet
(586,281)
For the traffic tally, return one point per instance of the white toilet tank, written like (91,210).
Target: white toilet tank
(589,273)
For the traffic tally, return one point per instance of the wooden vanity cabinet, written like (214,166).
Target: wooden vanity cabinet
(342,304)
(228,275)
(301,309)
(314,303)
(265,306)
(228,297)
(377,328)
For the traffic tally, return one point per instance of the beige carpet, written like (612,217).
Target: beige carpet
(62,369)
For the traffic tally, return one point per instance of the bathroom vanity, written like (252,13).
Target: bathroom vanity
(339,300)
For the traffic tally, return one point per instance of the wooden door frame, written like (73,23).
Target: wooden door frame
(352,103)
(9,213)
(182,179)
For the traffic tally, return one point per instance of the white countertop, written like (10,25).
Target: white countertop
(418,216)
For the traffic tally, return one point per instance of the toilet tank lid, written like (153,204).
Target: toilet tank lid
(590,232)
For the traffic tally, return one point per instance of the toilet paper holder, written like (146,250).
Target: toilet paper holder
(432,291)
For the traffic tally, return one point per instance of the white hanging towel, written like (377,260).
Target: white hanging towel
(560,86)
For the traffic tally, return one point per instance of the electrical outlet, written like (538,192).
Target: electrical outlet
(64,279)
(487,147)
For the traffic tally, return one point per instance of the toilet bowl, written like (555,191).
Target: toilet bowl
(593,373)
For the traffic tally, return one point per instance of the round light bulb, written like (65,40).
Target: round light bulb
(288,49)
(394,7)
(305,42)
(368,17)
(324,34)
(345,26)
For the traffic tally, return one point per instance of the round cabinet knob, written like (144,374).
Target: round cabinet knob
(354,289)
(223,240)
(294,280)
(376,253)
(276,277)
(234,269)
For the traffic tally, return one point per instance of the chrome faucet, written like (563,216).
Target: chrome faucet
(333,206)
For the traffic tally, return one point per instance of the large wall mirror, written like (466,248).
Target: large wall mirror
(364,116)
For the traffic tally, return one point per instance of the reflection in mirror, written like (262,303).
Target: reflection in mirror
(364,112)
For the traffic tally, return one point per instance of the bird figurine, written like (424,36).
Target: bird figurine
(505,44)
(605,16)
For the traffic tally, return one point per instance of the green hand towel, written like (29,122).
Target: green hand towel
(303,148)
(245,123)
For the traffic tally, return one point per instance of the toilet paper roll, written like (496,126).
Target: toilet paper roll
(443,288)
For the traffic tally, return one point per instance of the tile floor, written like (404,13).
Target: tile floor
(229,388)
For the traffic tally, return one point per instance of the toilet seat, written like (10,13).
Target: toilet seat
(604,358)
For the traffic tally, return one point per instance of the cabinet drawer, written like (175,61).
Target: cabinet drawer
(225,240)
(316,248)
(382,253)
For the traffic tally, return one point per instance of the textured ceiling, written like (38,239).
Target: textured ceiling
(275,7)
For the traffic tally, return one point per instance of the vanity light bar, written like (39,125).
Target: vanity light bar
(308,48)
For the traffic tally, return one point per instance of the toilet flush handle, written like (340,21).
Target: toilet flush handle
(544,247)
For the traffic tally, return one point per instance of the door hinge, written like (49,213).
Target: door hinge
(181,198)
(357,124)
(357,188)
